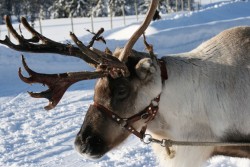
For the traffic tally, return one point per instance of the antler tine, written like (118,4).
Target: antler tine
(12,30)
(85,49)
(48,46)
(129,45)
(35,33)
(97,37)
(57,83)
(7,41)
(106,61)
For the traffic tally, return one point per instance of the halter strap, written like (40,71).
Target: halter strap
(164,72)
(148,114)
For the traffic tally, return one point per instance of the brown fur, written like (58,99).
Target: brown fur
(234,151)
(241,152)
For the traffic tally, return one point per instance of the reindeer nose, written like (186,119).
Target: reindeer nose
(92,146)
(95,143)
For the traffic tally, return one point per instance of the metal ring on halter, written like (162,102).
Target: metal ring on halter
(147,139)
(163,143)
(144,116)
(124,123)
(155,103)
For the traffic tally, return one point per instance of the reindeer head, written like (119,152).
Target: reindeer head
(123,97)
(129,80)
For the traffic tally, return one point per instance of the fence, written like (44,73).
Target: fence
(77,25)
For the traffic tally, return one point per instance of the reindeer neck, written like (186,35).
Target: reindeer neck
(182,66)
(183,70)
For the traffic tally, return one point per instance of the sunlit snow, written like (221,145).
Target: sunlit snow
(31,136)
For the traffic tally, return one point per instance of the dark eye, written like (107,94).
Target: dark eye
(122,92)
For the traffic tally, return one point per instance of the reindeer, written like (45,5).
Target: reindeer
(196,98)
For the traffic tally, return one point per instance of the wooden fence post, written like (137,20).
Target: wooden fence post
(182,5)
(92,21)
(136,10)
(168,7)
(72,24)
(176,5)
(123,13)
(189,7)
(40,25)
(111,16)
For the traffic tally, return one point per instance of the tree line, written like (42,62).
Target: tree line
(47,9)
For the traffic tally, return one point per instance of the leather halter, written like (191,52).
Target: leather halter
(148,114)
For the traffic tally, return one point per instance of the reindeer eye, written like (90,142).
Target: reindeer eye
(122,92)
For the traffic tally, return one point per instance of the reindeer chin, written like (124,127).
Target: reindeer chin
(91,148)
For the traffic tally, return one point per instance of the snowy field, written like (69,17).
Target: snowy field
(33,137)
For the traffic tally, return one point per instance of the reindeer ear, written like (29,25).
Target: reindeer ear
(144,68)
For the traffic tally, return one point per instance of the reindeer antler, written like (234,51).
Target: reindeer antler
(47,46)
(129,45)
(57,83)
(104,63)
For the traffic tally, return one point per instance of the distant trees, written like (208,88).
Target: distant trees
(143,6)
(71,8)
(45,9)
(5,8)
(101,9)
(183,4)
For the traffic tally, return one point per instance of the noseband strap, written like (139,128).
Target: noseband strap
(148,114)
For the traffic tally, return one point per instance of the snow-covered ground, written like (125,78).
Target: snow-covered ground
(31,136)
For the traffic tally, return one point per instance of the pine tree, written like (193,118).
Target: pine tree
(143,6)
(78,8)
(71,8)
(44,9)
(17,9)
(8,4)
(101,9)
(57,9)
(5,9)
(34,9)
(2,9)
(116,6)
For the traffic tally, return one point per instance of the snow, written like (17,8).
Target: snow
(31,136)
